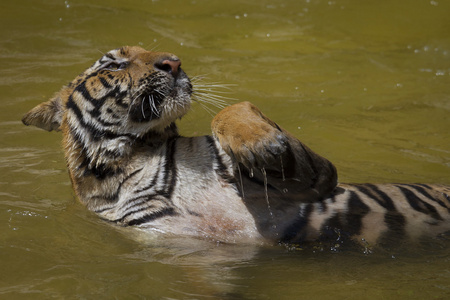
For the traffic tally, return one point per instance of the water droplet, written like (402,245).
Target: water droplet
(285,190)
(263,171)
(242,184)
(250,174)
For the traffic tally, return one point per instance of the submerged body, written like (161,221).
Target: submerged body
(250,182)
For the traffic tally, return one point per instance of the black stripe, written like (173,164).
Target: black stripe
(96,133)
(105,83)
(81,88)
(419,205)
(356,210)
(136,207)
(71,105)
(376,194)
(169,182)
(296,231)
(345,224)
(169,211)
(98,103)
(152,182)
(221,169)
(170,172)
(421,190)
(424,185)
(113,197)
(170,178)
(115,93)
(190,146)
(101,171)
(119,102)
(393,218)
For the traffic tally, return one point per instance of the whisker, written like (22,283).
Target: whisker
(211,99)
(211,94)
(210,111)
(153,106)
(101,52)
(142,108)
(150,101)
(227,88)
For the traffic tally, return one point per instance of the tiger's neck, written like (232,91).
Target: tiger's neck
(97,162)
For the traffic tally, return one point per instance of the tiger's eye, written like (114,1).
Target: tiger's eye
(114,66)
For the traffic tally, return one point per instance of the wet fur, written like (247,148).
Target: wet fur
(251,181)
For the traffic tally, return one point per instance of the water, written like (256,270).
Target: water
(364,84)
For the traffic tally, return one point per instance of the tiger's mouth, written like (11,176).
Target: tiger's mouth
(150,107)
(163,99)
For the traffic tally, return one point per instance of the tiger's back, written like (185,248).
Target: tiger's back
(382,213)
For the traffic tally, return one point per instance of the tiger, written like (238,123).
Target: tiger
(251,181)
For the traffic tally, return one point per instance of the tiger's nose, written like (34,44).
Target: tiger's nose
(169,65)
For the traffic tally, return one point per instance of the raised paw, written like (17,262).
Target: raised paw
(248,136)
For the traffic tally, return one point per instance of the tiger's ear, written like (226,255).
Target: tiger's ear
(47,115)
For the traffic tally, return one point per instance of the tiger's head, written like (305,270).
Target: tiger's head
(127,92)
(127,97)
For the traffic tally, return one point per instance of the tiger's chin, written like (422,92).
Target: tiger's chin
(143,122)
(155,112)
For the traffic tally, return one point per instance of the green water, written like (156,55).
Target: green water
(364,83)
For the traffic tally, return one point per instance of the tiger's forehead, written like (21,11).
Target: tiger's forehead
(125,52)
